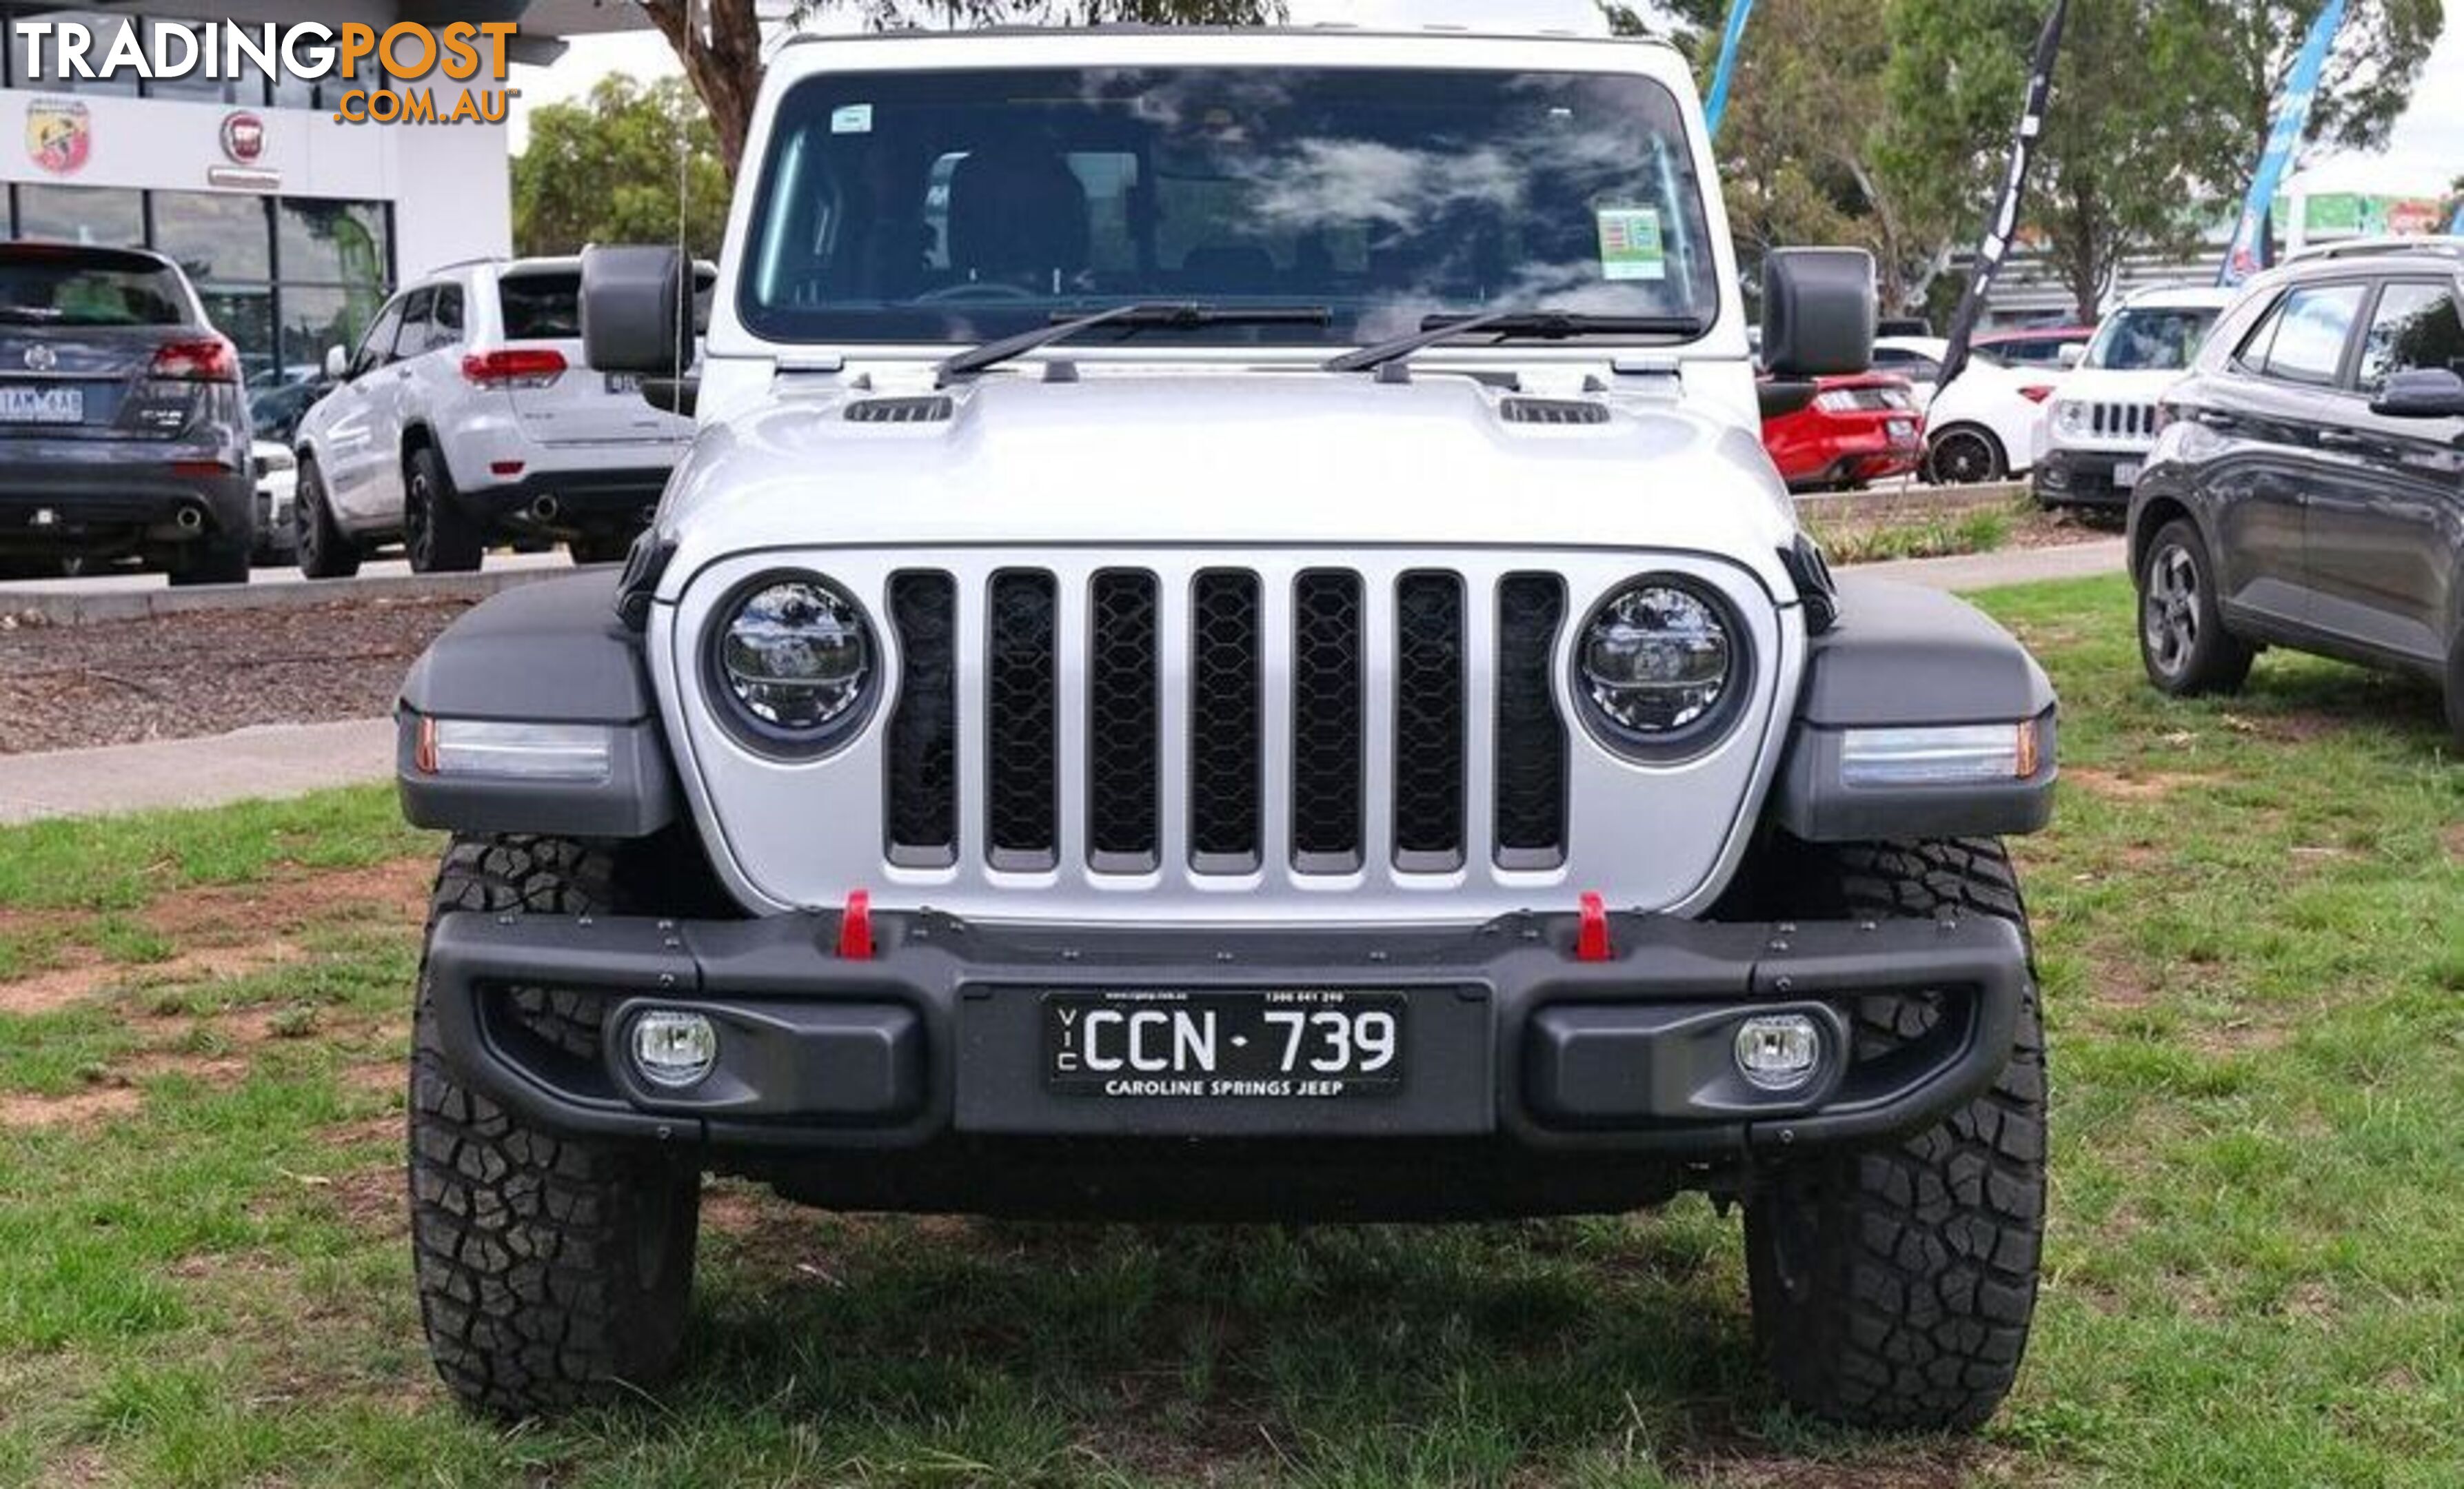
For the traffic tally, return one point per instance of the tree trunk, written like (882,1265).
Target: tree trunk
(723,64)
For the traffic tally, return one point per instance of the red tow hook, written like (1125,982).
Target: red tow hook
(855,927)
(1592,941)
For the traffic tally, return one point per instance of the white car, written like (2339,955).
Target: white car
(1243,660)
(466,418)
(277,483)
(1983,428)
(2103,420)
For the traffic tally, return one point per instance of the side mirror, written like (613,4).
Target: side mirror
(2071,356)
(1818,312)
(338,363)
(635,302)
(2424,393)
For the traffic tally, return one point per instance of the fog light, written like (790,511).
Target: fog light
(1778,1053)
(673,1049)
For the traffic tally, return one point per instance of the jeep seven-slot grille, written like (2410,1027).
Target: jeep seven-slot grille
(1293,655)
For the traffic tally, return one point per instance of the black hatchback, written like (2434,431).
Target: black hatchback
(122,428)
(2307,489)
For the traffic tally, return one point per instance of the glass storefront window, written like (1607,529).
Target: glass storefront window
(98,217)
(214,234)
(339,241)
(317,317)
(105,31)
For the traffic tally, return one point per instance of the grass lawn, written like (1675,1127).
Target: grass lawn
(2251,915)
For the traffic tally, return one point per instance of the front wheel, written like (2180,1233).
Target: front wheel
(553,1272)
(2182,638)
(1894,1286)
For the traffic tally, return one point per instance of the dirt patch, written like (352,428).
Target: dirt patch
(2453,839)
(83,1109)
(371,1201)
(209,672)
(235,932)
(2133,786)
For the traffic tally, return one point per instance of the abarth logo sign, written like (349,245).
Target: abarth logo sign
(59,135)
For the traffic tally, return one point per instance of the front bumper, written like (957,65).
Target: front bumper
(2085,477)
(1512,1043)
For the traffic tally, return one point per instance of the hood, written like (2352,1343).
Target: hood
(2091,384)
(1252,459)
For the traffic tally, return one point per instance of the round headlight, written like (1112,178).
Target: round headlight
(2070,416)
(796,656)
(1657,661)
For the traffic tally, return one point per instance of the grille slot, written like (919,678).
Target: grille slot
(1021,806)
(1429,722)
(1225,713)
(1551,410)
(1124,747)
(1530,736)
(923,784)
(1327,720)
(930,409)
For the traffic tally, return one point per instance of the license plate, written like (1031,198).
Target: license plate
(42,404)
(2126,474)
(1271,1045)
(624,383)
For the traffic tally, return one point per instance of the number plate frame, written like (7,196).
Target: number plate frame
(1225,1045)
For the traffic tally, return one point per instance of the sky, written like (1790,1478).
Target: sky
(2425,153)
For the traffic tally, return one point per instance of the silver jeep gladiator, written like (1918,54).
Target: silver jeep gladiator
(1227,650)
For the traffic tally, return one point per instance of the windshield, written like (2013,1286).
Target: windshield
(72,291)
(2149,339)
(965,206)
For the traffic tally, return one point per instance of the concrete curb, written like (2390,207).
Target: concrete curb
(68,606)
(289,760)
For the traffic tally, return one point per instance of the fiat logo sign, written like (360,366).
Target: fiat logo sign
(244,138)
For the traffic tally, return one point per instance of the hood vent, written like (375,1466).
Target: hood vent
(930,409)
(1551,410)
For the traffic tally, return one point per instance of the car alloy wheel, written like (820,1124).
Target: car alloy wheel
(1964,458)
(2169,609)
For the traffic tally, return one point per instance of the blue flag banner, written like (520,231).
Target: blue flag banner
(1717,103)
(2248,254)
(2455,229)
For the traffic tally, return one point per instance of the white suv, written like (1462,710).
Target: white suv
(467,417)
(2103,422)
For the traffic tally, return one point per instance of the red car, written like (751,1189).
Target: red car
(1855,430)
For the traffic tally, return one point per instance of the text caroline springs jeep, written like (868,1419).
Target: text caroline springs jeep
(1135,706)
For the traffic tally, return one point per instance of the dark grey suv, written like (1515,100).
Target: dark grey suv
(2308,487)
(123,429)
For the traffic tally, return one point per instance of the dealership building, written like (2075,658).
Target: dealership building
(293,223)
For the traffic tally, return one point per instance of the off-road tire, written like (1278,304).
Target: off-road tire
(2182,643)
(553,1272)
(324,550)
(437,535)
(2456,690)
(1893,1285)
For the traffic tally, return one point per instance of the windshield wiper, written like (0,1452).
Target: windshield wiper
(1137,315)
(1542,325)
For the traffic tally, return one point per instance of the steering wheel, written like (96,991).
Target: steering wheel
(976,290)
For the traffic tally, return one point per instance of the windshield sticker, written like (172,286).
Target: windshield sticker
(1630,245)
(853,118)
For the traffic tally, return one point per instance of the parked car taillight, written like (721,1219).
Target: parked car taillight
(206,359)
(515,367)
